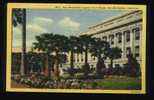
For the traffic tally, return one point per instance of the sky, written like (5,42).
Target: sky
(65,22)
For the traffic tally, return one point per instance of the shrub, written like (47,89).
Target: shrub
(79,76)
(132,68)
(86,69)
(118,70)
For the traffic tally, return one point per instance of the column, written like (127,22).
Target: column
(116,40)
(123,45)
(132,41)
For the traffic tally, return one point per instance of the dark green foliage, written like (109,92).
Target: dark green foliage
(35,62)
(98,49)
(86,69)
(132,68)
(118,70)
(84,46)
(16,62)
(17,16)
(73,48)
(113,53)
(52,43)
(110,71)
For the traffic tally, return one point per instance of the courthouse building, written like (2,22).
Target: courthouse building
(122,31)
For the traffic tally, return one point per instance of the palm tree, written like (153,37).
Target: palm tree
(60,45)
(19,18)
(85,42)
(99,49)
(45,45)
(50,43)
(73,41)
(113,53)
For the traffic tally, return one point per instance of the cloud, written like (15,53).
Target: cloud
(69,24)
(43,21)
(35,28)
(31,31)
(41,25)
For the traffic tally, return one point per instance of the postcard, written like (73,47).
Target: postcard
(76,48)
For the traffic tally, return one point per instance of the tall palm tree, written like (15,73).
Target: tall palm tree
(50,43)
(99,49)
(85,42)
(19,18)
(45,45)
(59,46)
(113,53)
(73,46)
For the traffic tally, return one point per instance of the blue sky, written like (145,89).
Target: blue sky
(66,22)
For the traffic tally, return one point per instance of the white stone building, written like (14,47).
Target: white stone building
(123,31)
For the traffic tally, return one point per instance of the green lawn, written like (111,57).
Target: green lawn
(115,82)
(120,83)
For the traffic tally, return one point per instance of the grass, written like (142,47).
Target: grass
(120,83)
(116,82)
(113,82)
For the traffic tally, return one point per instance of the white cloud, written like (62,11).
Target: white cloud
(43,21)
(31,31)
(41,25)
(69,24)
(35,28)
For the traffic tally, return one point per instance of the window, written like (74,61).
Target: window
(93,58)
(127,34)
(117,65)
(111,39)
(104,38)
(137,51)
(136,31)
(82,59)
(119,36)
(128,51)
(77,59)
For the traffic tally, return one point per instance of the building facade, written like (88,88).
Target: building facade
(122,31)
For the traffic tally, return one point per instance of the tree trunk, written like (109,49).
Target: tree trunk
(22,68)
(72,62)
(98,66)
(86,57)
(41,68)
(56,67)
(86,66)
(46,71)
(111,63)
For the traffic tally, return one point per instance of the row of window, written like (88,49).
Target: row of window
(82,59)
(128,51)
(136,32)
